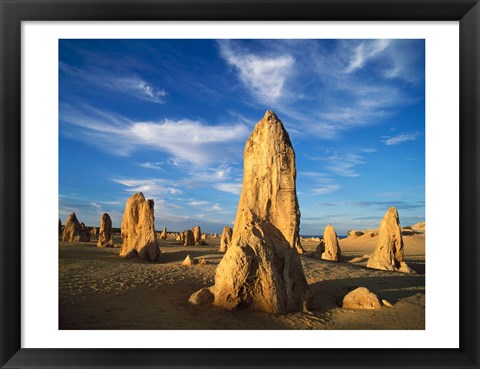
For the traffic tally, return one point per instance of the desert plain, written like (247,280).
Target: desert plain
(100,290)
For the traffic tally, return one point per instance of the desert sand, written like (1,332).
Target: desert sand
(100,290)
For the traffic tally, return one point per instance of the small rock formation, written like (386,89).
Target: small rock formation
(419,227)
(197,234)
(204,236)
(388,254)
(355,234)
(138,229)
(105,235)
(202,261)
(94,232)
(331,250)
(72,229)
(361,298)
(226,238)
(188,261)
(261,269)
(178,238)
(84,233)
(163,235)
(59,226)
(189,240)
(202,298)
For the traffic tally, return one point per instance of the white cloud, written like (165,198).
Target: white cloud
(235,188)
(198,203)
(264,76)
(149,187)
(129,85)
(404,137)
(340,162)
(149,165)
(365,51)
(326,189)
(186,140)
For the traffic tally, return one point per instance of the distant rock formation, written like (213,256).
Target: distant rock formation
(419,227)
(261,270)
(354,233)
(226,238)
(105,234)
(331,250)
(94,232)
(388,254)
(361,298)
(72,229)
(138,229)
(189,240)
(163,235)
(197,234)
(84,233)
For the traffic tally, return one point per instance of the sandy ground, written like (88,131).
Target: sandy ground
(100,290)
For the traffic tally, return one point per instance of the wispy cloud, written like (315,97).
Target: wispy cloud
(198,203)
(150,187)
(234,188)
(378,204)
(404,137)
(149,165)
(186,140)
(326,189)
(129,85)
(340,162)
(264,76)
(365,51)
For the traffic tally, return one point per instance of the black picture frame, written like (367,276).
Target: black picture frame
(467,12)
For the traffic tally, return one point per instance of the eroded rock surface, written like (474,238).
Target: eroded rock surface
(388,254)
(105,233)
(138,229)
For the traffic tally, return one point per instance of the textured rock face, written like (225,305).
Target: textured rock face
(388,254)
(361,298)
(197,234)
(261,272)
(138,229)
(59,226)
(163,235)
(261,269)
(226,238)
(72,229)
(105,234)
(269,187)
(189,240)
(331,248)
(202,298)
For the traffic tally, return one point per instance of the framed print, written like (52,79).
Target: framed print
(244,184)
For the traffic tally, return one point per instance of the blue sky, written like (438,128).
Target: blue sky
(170,118)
